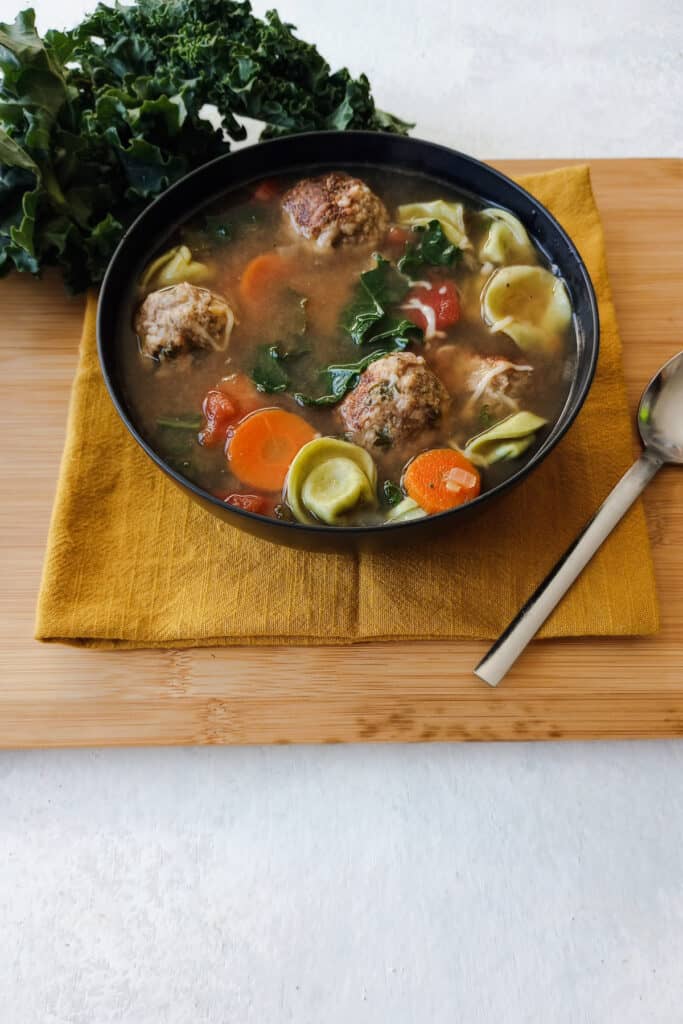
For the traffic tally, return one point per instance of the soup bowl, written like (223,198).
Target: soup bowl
(312,153)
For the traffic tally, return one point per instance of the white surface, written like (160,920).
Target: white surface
(367,884)
(505,79)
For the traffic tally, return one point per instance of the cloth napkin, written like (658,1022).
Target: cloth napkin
(131,561)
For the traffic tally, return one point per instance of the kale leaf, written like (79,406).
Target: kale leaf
(391,493)
(366,319)
(191,421)
(98,120)
(432,248)
(268,373)
(340,378)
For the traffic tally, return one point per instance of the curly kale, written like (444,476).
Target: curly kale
(98,120)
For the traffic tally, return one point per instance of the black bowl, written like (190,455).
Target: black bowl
(314,152)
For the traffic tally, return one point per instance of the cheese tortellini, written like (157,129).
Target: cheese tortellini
(530,305)
(506,240)
(508,439)
(328,479)
(451,217)
(175,266)
(405,511)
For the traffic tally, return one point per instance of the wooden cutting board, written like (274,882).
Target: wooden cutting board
(61,696)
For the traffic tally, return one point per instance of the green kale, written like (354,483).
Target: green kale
(177,440)
(367,319)
(391,493)
(339,379)
(432,248)
(269,373)
(96,121)
(191,421)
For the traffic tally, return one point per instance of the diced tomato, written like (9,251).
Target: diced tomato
(225,405)
(397,235)
(266,190)
(442,297)
(220,412)
(249,502)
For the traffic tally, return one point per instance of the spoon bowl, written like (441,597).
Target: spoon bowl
(660,422)
(660,413)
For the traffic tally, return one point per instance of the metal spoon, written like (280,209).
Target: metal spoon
(660,422)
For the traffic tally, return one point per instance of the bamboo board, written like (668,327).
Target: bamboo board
(60,696)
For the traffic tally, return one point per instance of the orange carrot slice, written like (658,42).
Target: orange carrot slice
(263,446)
(441,479)
(263,275)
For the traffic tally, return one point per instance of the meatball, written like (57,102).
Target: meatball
(493,382)
(336,209)
(181,318)
(396,398)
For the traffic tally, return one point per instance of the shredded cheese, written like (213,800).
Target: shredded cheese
(501,366)
(430,317)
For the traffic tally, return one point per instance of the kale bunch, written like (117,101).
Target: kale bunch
(98,120)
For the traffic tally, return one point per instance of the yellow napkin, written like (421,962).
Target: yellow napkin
(132,562)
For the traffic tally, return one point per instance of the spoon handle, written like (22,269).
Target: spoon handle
(510,644)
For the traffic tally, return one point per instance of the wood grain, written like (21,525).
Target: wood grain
(61,696)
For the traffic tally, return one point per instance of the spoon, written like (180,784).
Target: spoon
(660,422)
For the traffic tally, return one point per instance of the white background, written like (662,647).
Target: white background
(511,883)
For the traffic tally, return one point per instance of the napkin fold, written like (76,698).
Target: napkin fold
(131,561)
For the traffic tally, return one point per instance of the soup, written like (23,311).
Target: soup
(353,348)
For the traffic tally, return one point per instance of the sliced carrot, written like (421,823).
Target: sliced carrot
(263,275)
(263,446)
(441,479)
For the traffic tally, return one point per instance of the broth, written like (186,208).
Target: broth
(293,300)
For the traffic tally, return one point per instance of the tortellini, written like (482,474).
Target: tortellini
(175,266)
(328,479)
(406,510)
(530,305)
(506,240)
(508,439)
(451,217)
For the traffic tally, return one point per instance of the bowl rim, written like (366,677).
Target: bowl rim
(559,429)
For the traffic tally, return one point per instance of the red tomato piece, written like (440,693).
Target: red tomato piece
(226,404)
(249,502)
(220,413)
(442,297)
(266,190)
(397,235)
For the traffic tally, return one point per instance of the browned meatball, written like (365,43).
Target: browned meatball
(396,398)
(181,318)
(336,209)
(490,383)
